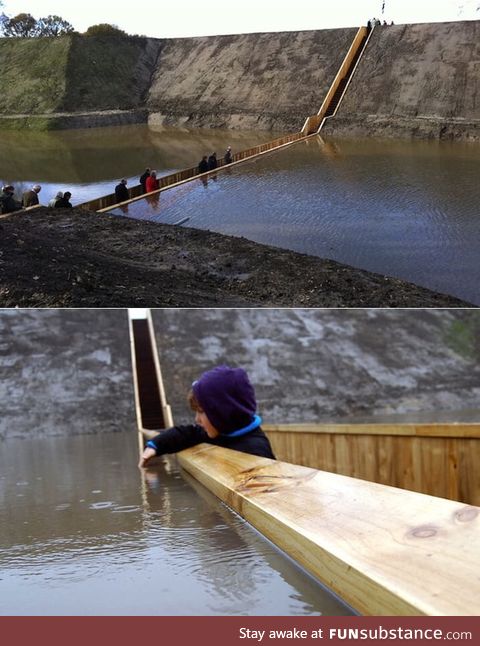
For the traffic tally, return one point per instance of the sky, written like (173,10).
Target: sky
(160,19)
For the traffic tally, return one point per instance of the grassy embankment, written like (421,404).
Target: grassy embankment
(44,76)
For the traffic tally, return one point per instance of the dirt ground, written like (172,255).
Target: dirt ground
(74,258)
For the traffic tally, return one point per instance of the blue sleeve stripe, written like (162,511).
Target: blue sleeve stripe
(151,444)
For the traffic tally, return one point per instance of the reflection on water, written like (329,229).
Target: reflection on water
(82,533)
(405,209)
(90,162)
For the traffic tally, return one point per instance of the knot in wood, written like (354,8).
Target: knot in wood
(466,514)
(424,531)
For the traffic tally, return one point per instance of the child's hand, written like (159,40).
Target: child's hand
(146,456)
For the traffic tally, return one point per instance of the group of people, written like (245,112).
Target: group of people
(61,200)
(8,203)
(149,181)
(375,22)
(211,163)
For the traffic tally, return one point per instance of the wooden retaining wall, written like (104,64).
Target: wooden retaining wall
(149,392)
(436,459)
(384,551)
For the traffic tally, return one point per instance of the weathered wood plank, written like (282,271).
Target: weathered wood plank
(385,551)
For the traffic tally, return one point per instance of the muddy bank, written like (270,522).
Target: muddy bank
(265,81)
(78,359)
(417,80)
(406,128)
(330,365)
(73,258)
(74,120)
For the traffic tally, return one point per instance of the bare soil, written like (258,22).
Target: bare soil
(75,258)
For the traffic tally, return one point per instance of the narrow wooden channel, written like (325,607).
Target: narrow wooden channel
(150,404)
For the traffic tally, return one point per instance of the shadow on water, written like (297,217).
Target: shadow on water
(83,534)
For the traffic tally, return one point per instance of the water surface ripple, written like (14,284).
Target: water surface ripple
(89,536)
(404,209)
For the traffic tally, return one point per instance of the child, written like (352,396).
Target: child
(224,402)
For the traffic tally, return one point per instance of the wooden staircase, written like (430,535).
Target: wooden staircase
(335,94)
(337,97)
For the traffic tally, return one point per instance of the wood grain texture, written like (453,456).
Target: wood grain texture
(438,460)
(383,550)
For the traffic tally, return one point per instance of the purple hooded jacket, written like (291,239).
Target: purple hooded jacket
(227,398)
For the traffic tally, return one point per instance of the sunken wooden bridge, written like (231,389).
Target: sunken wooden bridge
(311,128)
(384,550)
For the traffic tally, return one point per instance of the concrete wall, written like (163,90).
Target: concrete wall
(64,372)
(415,80)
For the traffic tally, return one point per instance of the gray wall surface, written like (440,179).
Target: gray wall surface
(64,372)
(329,365)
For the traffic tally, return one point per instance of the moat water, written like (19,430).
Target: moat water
(407,209)
(83,533)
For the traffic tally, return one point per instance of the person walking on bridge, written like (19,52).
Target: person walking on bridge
(225,407)
(30,198)
(55,199)
(152,183)
(143,180)
(64,202)
(121,191)
(227,159)
(203,165)
(212,161)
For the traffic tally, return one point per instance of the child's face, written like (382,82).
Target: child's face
(202,420)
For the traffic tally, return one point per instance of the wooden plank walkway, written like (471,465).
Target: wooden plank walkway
(383,550)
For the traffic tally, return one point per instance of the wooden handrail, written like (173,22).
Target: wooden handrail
(362,32)
(455,430)
(141,333)
(383,550)
(182,177)
(434,459)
